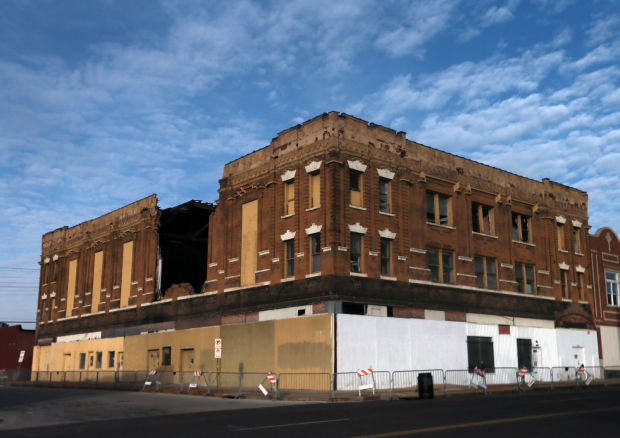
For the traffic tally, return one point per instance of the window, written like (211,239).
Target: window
(521,228)
(384,195)
(82,361)
(355,187)
(110,359)
(315,250)
(289,197)
(440,262)
(99,359)
(480,353)
(576,241)
(438,208)
(90,360)
(564,282)
(611,279)
(290,257)
(580,285)
(166,356)
(356,252)
(561,238)
(315,190)
(486,272)
(524,353)
(524,275)
(482,218)
(385,257)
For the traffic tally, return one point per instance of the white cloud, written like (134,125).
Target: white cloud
(499,14)
(604,29)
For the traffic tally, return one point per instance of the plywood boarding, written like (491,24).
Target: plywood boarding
(98,269)
(126,273)
(71,286)
(249,235)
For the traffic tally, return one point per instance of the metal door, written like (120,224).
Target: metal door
(187,359)
(152,359)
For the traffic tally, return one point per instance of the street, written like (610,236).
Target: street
(575,413)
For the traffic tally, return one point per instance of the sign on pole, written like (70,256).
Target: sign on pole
(22,353)
(218,348)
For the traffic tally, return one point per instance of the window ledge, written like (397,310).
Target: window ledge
(385,277)
(287,216)
(563,251)
(524,243)
(284,280)
(567,300)
(314,274)
(579,254)
(313,208)
(491,236)
(450,227)
(358,274)
(357,207)
(385,213)
(494,291)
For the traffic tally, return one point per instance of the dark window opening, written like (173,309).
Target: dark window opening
(353,308)
(82,361)
(524,353)
(99,359)
(166,356)
(111,359)
(354,180)
(385,257)
(301,312)
(384,195)
(356,252)
(290,258)
(480,353)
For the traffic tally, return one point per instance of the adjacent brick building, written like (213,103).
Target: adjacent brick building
(605,253)
(14,340)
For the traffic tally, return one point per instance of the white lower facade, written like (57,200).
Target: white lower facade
(394,344)
(610,344)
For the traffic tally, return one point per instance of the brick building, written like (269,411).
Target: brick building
(14,340)
(404,256)
(605,253)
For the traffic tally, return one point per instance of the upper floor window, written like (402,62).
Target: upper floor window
(576,240)
(521,227)
(524,275)
(315,189)
(356,252)
(611,280)
(486,272)
(386,268)
(315,251)
(561,237)
(289,197)
(384,195)
(441,264)
(564,282)
(355,187)
(438,208)
(482,218)
(289,255)
(580,285)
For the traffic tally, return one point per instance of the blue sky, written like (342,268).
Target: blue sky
(105,102)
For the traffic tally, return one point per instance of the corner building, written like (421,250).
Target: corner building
(343,245)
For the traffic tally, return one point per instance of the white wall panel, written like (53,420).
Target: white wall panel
(610,341)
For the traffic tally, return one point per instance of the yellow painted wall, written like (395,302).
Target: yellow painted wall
(287,345)
(249,236)
(126,273)
(98,269)
(71,287)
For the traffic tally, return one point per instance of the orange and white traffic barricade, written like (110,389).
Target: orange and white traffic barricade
(478,379)
(198,376)
(152,377)
(274,384)
(582,374)
(524,375)
(366,380)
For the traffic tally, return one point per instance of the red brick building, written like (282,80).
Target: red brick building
(14,340)
(605,254)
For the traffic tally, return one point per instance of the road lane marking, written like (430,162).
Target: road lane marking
(486,423)
(275,426)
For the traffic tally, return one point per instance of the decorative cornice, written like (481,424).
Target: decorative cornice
(313,166)
(357,228)
(288,235)
(313,229)
(560,219)
(386,173)
(357,165)
(387,234)
(580,268)
(564,266)
(288,175)
(577,224)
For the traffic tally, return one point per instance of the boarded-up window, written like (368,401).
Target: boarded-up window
(355,187)
(315,190)
(249,236)
(97,272)
(289,197)
(126,273)
(71,287)
(480,353)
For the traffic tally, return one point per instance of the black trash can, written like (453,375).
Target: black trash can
(425,385)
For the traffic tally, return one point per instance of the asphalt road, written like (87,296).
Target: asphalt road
(577,413)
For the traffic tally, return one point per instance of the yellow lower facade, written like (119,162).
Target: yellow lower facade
(299,345)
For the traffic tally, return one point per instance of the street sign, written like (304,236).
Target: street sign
(218,343)
(218,353)
(21,356)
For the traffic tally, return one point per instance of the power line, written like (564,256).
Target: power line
(19,269)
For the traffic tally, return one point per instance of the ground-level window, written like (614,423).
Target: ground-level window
(82,361)
(611,280)
(486,272)
(99,360)
(480,353)
(110,359)
(441,264)
(166,356)
(356,252)
(524,275)
(524,353)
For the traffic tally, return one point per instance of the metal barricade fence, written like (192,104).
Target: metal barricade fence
(346,381)
(304,382)
(612,374)
(408,380)
(457,380)
(564,375)
(502,376)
